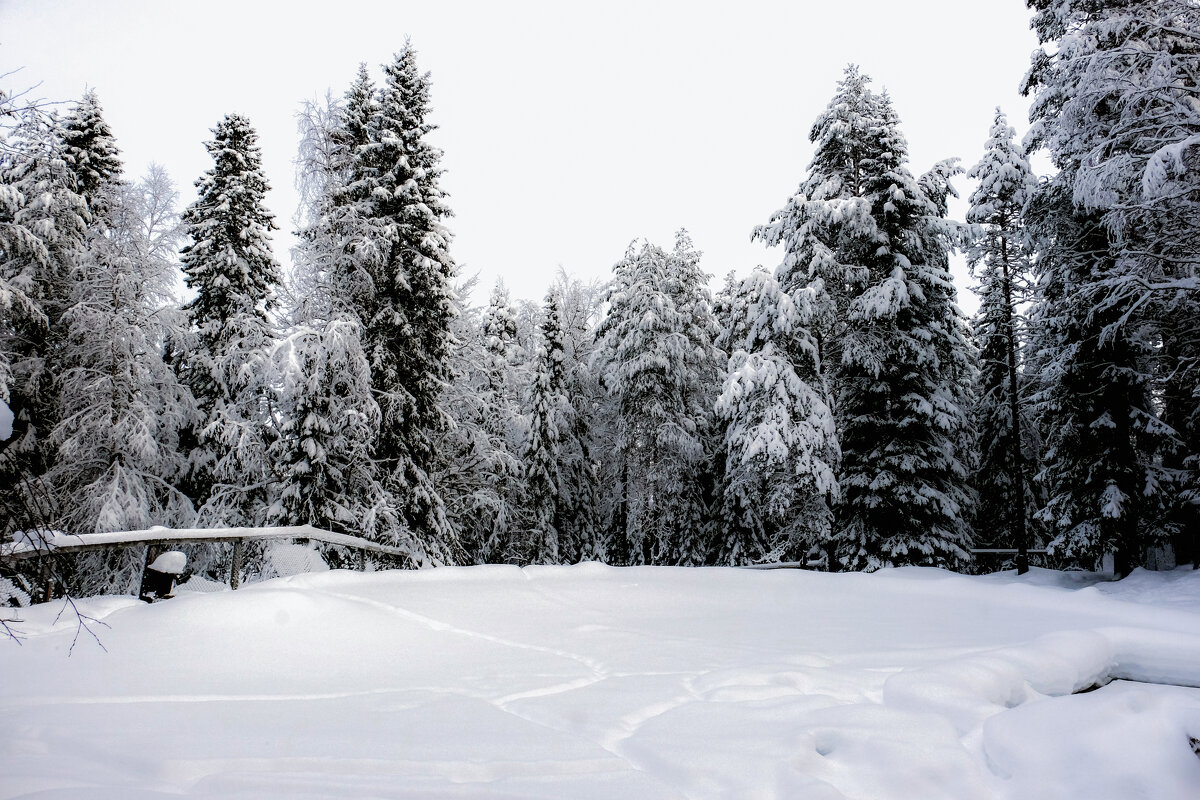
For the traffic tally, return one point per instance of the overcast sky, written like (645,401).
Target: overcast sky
(568,129)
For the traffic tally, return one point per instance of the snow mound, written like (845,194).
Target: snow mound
(200,585)
(285,559)
(171,562)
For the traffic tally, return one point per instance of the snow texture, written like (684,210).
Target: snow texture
(599,682)
(39,540)
(171,562)
(6,421)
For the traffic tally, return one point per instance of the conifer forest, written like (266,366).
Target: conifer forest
(162,365)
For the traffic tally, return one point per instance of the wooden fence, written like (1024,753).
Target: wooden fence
(53,544)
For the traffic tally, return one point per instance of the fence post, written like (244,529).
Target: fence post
(150,551)
(47,578)
(235,569)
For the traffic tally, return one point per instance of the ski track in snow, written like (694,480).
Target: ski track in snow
(625,728)
(432,624)
(656,709)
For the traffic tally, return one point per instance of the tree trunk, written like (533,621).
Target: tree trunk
(1014,410)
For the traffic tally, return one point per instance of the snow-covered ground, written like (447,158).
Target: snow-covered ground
(595,682)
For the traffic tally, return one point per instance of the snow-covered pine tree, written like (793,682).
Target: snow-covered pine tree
(581,438)
(780,444)
(328,423)
(42,238)
(548,416)
(656,357)
(503,426)
(328,419)
(499,338)
(122,408)
(401,242)
(1001,263)
(1114,106)
(230,267)
(906,363)
(91,152)
(623,339)
(872,243)
(478,471)
(1099,469)
(335,240)
(357,112)
(693,505)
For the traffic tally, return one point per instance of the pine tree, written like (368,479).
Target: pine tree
(582,436)
(1001,264)
(657,358)
(693,501)
(339,218)
(118,456)
(479,470)
(871,243)
(548,415)
(328,417)
(230,267)
(779,441)
(393,213)
(91,152)
(1118,239)
(1099,468)
(502,426)
(43,223)
(327,431)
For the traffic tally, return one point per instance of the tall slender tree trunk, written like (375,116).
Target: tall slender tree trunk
(1014,408)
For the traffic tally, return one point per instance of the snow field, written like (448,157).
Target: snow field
(597,682)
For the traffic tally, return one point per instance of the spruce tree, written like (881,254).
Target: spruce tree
(582,436)
(1118,237)
(43,224)
(328,416)
(548,416)
(502,426)
(693,498)
(1099,468)
(328,423)
(394,213)
(1001,264)
(779,449)
(229,266)
(870,242)
(91,152)
(349,248)
(656,358)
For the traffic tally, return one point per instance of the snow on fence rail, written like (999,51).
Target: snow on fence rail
(1004,551)
(56,542)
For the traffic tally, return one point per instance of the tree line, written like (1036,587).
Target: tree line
(837,410)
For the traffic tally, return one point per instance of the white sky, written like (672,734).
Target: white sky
(567,130)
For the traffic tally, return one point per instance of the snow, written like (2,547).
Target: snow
(286,559)
(6,421)
(598,682)
(172,562)
(31,543)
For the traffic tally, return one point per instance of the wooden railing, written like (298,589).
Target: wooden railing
(53,544)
